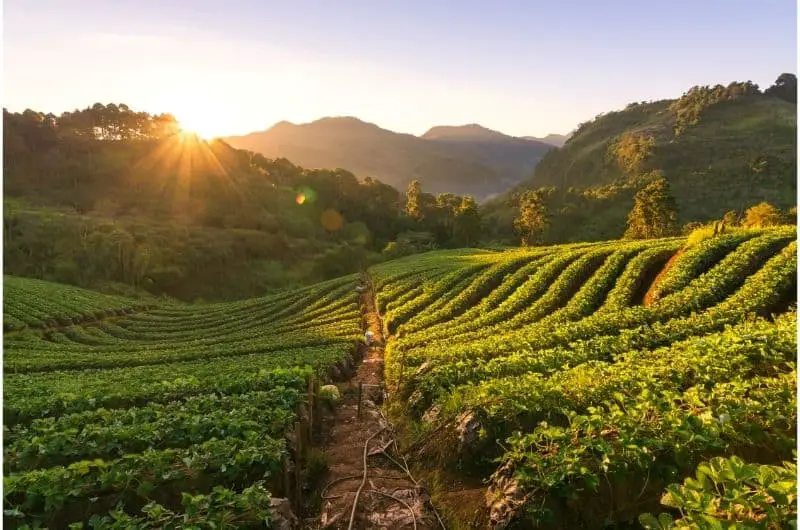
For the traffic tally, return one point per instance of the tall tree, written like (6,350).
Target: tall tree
(533,217)
(654,213)
(467,223)
(413,206)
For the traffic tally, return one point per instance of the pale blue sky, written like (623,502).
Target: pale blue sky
(524,68)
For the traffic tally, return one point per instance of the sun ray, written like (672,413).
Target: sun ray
(183,164)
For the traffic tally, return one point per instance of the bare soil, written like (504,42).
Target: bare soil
(388,496)
(648,297)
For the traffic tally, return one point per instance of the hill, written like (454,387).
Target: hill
(134,204)
(720,149)
(541,382)
(556,140)
(466,160)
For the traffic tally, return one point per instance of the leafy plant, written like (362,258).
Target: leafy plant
(731,493)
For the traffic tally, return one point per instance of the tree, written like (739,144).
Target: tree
(730,218)
(467,223)
(785,88)
(447,205)
(533,217)
(761,215)
(654,213)
(413,206)
(792,215)
(632,152)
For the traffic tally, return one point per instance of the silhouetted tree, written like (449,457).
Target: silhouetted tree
(785,88)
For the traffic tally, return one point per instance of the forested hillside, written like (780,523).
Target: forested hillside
(107,195)
(467,160)
(720,148)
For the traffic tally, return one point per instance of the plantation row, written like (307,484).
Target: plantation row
(162,416)
(549,363)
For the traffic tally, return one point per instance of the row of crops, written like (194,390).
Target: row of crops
(126,416)
(544,373)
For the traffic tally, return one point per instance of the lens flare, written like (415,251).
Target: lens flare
(331,220)
(300,199)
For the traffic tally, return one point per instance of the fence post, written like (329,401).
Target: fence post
(299,460)
(312,416)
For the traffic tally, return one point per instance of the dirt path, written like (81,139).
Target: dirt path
(650,293)
(345,450)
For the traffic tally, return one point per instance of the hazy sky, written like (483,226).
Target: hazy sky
(524,68)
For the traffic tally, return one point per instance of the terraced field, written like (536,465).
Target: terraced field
(543,373)
(572,387)
(112,410)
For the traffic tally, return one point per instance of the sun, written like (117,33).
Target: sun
(201,125)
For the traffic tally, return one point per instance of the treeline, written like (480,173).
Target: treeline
(653,214)
(690,105)
(107,194)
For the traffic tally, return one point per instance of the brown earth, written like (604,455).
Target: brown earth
(388,495)
(648,297)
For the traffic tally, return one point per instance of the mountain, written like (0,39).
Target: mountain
(557,140)
(467,160)
(720,149)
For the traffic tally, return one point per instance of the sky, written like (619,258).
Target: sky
(526,68)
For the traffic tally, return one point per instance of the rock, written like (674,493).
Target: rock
(327,519)
(334,374)
(282,516)
(432,414)
(504,497)
(388,514)
(330,393)
(468,429)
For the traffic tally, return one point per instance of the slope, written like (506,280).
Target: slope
(740,152)
(150,208)
(217,400)
(539,373)
(468,160)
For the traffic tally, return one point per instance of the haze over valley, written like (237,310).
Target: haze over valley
(467,159)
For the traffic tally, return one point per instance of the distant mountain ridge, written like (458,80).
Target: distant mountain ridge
(557,140)
(466,160)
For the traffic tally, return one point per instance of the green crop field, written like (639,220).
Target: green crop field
(579,386)
(111,407)
(543,375)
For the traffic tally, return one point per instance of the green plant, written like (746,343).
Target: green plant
(728,493)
